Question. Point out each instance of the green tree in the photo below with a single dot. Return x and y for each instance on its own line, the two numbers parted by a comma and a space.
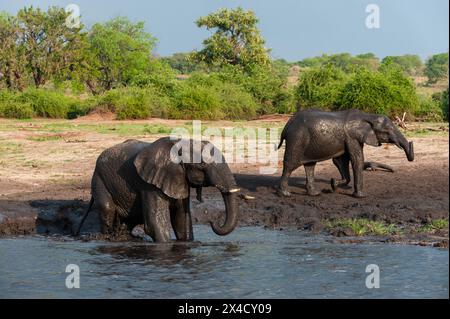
343, 61
51, 48
236, 41
436, 67
12, 57
181, 62
411, 64
119, 51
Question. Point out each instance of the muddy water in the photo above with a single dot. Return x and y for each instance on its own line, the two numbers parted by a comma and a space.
249, 263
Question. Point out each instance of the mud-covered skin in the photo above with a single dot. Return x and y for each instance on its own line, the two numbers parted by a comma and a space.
137, 183
313, 136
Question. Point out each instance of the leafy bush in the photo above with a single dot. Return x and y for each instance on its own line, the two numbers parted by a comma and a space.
133, 103
195, 101
441, 98
444, 105
47, 103
11, 108
236, 103
410, 64
388, 92
343, 61
429, 109
264, 83
320, 87
221, 99
285, 101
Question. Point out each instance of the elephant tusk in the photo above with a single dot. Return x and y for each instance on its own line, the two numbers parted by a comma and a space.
234, 190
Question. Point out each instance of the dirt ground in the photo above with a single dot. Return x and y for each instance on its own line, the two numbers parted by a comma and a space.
46, 166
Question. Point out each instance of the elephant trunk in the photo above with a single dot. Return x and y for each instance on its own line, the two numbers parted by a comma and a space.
408, 147
231, 212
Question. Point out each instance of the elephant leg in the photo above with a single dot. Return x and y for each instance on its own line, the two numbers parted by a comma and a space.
283, 187
155, 208
343, 165
310, 188
357, 159
291, 162
180, 216
104, 204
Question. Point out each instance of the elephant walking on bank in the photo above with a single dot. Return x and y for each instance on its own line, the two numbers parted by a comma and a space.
140, 183
313, 136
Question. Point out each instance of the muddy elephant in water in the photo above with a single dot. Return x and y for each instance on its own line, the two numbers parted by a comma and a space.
143, 183
312, 136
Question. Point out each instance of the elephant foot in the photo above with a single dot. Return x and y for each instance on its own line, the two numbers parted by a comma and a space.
358, 194
138, 232
313, 192
283, 193
334, 185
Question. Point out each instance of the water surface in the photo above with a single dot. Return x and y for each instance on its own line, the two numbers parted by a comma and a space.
249, 263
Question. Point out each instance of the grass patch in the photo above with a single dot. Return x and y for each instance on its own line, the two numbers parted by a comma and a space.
10, 148
436, 224
363, 227
45, 138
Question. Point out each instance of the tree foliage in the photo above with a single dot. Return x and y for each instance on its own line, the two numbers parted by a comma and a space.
50, 47
120, 51
236, 41
37, 46
411, 64
343, 61
436, 67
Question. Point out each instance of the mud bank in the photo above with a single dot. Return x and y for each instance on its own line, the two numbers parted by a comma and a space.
409, 202
50, 197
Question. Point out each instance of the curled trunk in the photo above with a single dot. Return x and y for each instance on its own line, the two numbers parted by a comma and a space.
231, 215
408, 147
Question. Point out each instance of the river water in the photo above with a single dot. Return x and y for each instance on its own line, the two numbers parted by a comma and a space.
249, 263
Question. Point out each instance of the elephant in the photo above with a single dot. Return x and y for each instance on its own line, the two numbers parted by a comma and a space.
137, 182
313, 136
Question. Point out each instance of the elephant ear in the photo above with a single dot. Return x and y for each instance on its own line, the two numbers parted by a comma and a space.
154, 165
365, 134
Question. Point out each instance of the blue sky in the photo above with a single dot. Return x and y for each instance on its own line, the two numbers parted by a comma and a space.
293, 29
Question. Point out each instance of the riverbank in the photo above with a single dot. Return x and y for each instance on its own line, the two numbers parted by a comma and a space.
46, 166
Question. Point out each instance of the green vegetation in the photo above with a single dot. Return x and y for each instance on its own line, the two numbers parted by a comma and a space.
364, 227
343, 61
236, 41
410, 64
436, 224
45, 138
436, 67
50, 70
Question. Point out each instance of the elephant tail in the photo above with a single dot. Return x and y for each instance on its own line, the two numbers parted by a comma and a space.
281, 142
91, 202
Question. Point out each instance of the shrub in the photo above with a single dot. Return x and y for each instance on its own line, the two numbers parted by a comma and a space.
236, 103
197, 102
441, 98
444, 105
133, 103
11, 108
47, 103
320, 87
285, 101
388, 92
223, 100
264, 83
429, 109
